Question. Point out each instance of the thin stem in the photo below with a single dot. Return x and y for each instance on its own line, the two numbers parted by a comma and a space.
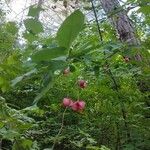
78, 96
60, 130
122, 106
98, 27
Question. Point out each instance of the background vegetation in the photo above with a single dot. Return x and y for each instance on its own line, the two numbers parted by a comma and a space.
37, 76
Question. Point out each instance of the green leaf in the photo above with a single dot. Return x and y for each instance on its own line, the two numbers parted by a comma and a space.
20, 78
48, 54
57, 64
72, 68
33, 26
1, 124
29, 36
70, 28
22, 144
11, 28
34, 11
44, 91
145, 9
96, 70
89, 147
9, 134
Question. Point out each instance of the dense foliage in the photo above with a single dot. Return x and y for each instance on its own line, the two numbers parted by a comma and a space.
106, 91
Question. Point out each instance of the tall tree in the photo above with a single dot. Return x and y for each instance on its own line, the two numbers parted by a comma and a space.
125, 30
120, 21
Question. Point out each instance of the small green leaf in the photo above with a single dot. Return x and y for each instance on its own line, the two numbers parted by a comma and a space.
48, 54
1, 124
72, 68
22, 144
70, 28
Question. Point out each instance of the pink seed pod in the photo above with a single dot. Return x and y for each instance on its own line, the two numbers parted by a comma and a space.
82, 84
78, 106
67, 102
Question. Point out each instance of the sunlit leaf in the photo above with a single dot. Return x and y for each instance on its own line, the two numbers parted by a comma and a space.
33, 26
70, 29
34, 11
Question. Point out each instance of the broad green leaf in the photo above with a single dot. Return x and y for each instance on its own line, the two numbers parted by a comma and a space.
57, 64
33, 26
29, 36
70, 28
34, 11
48, 54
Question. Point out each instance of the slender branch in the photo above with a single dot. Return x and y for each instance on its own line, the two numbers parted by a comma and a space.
60, 130
122, 106
98, 27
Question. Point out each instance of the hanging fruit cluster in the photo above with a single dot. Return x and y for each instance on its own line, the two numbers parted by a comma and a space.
78, 105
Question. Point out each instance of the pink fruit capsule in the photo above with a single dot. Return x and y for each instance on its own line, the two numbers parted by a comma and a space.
67, 102
78, 106
82, 83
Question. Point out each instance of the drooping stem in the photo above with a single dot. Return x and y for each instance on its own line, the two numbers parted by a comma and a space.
60, 130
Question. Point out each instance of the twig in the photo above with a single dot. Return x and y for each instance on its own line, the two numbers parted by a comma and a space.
122, 106
60, 130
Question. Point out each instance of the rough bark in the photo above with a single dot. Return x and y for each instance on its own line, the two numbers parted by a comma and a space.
126, 33
120, 21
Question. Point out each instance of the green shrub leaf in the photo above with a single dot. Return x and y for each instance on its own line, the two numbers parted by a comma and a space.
48, 54
33, 26
70, 28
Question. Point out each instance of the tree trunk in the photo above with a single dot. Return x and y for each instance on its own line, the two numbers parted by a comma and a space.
126, 33
120, 21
